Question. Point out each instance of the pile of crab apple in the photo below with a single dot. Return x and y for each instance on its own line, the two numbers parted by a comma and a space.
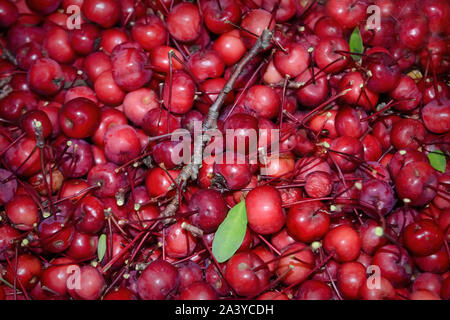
354, 204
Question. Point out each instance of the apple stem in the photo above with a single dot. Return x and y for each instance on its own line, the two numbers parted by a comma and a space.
77, 194
281, 256
121, 252
338, 168
16, 279
333, 284
12, 143
267, 243
436, 89
317, 267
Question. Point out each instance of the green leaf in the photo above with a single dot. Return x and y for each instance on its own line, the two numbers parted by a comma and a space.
101, 247
231, 233
356, 44
437, 160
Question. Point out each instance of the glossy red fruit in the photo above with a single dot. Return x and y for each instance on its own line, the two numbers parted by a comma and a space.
89, 215
437, 262
179, 242
328, 27
179, 92
198, 291
413, 31
8, 13
383, 292
206, 64
121, 144
149, 32
109, 118
158, 181
91, 284
428, 281
264, 212
46, 77
95, 64
128, 62
23, 213
316, 91
293, 61
394, 263
55, 234
163, 154
351, 276
348, 13
159, 121
234, 169
107, 90
372, 238
242, 275
241, 132
44, 7
348, 151
230, 46
343, 243
358, 93
137, 103
83, 246
263, 100
406, 93
255, 21
8, 235
54, 277
57, 45
120, 294
436, 116
190, 272
327, 57
423, 237
183, 22
349, 122
159, 58
114, 246
84, 40
106, 13
445, 290
211, 209
158, 280
384, 72
415, 183
314, 290
324, 123
216, 15
377, 198
297, 265
79, 118
28, 270
308, 222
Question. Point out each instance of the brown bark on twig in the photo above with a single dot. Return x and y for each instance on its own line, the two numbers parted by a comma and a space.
5, 88
190, 170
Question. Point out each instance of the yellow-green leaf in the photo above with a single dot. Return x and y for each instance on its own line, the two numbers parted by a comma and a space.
438, 160
101, 247
356, 44
231, 233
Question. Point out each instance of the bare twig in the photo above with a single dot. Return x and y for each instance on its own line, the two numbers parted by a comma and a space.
5, 88
7, 55
190, 170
